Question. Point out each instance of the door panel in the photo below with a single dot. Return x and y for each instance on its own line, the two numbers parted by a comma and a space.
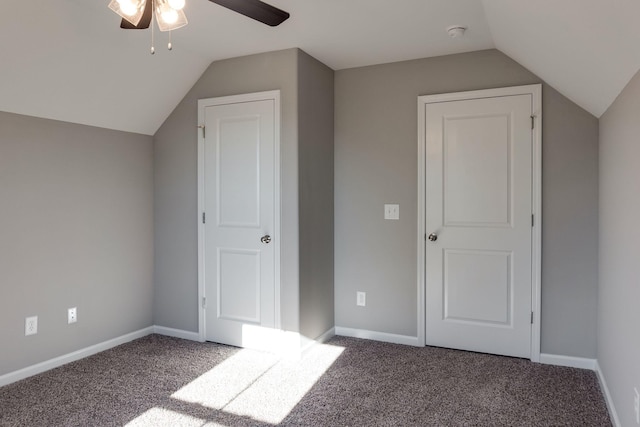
479, 204
239, 285
477, 176
477, 286
238, 167
239, 190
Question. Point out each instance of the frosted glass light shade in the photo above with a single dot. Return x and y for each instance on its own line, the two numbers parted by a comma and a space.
131, 10
168, 18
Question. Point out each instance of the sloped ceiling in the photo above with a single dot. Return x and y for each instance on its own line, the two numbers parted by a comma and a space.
69, 60
587, 49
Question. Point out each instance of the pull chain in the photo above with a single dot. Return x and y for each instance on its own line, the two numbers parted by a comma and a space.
170, 46
153, 11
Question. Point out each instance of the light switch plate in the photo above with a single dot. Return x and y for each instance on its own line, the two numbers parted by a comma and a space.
361, 298
391, 211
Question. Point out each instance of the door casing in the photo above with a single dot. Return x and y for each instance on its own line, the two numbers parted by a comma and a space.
273, 95
536, 251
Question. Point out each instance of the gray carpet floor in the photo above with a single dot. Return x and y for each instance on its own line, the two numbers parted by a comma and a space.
162, 381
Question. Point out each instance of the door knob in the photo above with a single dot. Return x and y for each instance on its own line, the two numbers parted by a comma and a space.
265, 239
433, 237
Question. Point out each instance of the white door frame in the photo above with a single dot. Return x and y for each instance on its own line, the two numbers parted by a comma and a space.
223, 100
536, 251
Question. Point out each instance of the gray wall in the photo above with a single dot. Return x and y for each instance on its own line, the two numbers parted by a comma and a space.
315, 177
76, 230
619, 286
570, 228
175, 150
375, 163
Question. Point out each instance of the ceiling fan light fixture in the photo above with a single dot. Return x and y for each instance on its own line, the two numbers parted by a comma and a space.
168, 18
169, 14
130, 10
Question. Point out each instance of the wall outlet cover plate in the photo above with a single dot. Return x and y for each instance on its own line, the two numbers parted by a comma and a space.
31, 325
72, 315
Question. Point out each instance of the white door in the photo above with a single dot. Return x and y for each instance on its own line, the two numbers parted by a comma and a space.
479, 224
239, 151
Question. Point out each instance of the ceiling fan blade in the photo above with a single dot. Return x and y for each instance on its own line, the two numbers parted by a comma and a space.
257, 10
144, 21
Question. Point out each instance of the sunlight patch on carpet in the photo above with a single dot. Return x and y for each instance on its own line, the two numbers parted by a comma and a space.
259, 385
218, 387
161, 417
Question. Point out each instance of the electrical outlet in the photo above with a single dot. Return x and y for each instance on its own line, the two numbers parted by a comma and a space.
636, 405
72, 315
361, 298
31, 325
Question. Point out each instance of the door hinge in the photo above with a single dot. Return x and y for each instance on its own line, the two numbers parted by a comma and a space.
204, 302
204, 218
532, 317
532, 220
425, 237
204, 135
533, 122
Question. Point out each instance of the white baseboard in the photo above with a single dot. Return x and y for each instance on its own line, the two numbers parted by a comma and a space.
326, 336
377, 336
549, 359
176, 333
38, 368
569, 361
607, 397
307, 344
29, 371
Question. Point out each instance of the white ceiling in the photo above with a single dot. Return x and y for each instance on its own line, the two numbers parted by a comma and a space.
69, 60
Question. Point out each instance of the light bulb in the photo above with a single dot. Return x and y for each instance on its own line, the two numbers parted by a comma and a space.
170, 16
130, 10
168, 19
176, 4
128, 7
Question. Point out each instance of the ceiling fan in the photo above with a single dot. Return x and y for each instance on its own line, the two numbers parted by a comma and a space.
137, 14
